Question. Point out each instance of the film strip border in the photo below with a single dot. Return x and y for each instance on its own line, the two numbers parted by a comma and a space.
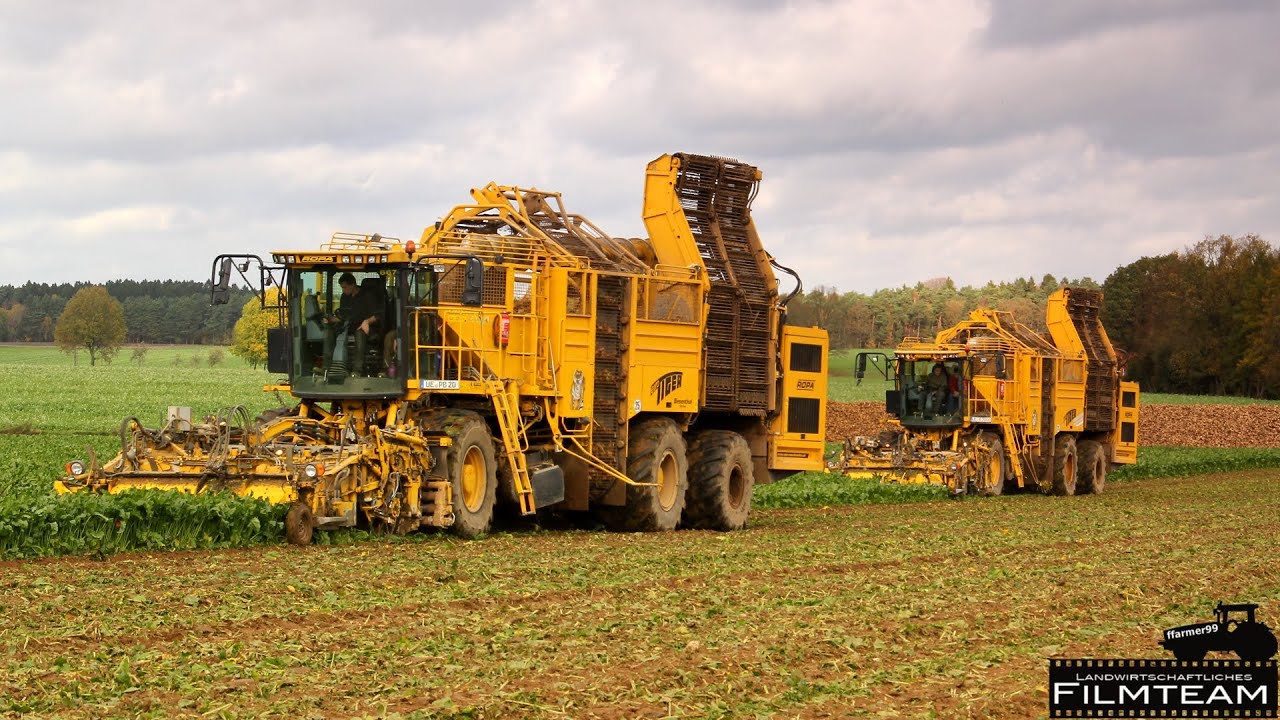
1164, 663
1265, 670
1188, 712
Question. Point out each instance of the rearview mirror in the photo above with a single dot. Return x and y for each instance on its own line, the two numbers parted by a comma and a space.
473, 282
222, 288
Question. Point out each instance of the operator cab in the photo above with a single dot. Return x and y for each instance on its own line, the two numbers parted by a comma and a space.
344, 331
929, 391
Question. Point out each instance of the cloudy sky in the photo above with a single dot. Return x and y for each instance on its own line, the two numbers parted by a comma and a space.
900, 140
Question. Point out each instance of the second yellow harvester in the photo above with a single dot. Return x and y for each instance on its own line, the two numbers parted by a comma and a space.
990, 405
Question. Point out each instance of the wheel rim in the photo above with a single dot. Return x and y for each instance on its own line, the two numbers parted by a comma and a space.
668, 483
993, 471
1069, 471
473, 479
737, 487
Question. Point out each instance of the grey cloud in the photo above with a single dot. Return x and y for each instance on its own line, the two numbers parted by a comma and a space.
1016, 23
999, 134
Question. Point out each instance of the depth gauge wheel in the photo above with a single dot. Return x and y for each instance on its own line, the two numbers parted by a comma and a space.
299, 524
267, 416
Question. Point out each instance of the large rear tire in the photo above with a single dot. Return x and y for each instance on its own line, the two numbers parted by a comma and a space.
721, 479
656, 454
1092, 476
472, 469
991, 476
1065, 465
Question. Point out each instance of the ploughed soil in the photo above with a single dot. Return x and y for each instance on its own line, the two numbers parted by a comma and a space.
945, 609
1221, 426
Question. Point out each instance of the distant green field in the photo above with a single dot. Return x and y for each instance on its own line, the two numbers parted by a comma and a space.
153, 356
52, 409
843, 386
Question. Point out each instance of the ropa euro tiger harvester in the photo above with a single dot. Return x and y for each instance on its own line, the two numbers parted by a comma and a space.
516, 356
989, 404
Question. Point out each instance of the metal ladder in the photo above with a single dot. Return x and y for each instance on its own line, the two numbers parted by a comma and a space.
1016, 449
513, 444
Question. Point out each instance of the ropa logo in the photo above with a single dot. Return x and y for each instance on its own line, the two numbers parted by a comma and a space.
666, 385
805, 385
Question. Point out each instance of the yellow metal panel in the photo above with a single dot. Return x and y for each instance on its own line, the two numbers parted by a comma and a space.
1125, 440
797, 434
665, 371
669, 232
1061, 329
575, 366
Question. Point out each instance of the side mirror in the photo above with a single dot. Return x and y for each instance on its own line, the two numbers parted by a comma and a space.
473, 282
222, 288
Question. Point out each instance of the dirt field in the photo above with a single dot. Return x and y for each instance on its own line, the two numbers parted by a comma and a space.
1223, 426
945, 609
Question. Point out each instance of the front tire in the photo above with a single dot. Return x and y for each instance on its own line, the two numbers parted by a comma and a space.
721, 479
656, 454
1065, 465
471, 468
1092, 476
991, 477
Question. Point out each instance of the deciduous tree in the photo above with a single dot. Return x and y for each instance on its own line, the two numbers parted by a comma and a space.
249, 338
92, 320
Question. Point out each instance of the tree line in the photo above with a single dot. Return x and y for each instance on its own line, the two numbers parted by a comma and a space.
883, 318
1204, 320
155, 311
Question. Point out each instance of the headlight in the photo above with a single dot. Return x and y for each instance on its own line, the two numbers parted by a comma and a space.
313, 470
75, 467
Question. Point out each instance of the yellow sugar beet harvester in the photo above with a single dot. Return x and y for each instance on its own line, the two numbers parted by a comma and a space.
516, 356
1008, 407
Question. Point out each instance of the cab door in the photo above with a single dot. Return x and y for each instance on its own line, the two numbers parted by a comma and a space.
1125, 442
798, 434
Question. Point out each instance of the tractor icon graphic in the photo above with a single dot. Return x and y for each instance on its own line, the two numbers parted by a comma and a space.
1248, 638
